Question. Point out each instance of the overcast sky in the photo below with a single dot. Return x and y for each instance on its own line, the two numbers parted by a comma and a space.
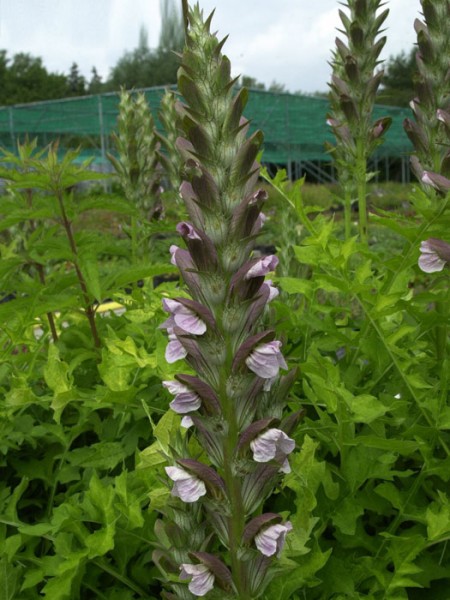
288, 41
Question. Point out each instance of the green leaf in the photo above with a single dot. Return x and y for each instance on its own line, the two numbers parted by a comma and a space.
102, 455
56, 372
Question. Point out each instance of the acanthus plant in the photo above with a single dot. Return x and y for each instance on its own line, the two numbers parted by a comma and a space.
137, 164
430, 134
430, 130
217, 537
353, 88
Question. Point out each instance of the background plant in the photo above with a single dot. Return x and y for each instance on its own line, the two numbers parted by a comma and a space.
353, 90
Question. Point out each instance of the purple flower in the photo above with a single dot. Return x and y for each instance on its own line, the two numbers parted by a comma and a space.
434, 255
173, 252
273, 444
186, 230
183, 317
271, 540
202, 580
186, 422
261, 219
439, 182
186, 486
266, 359
185, 401
273, 291
262, 267
174, 349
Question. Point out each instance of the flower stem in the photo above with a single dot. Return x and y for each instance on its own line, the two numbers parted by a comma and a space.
90, 313
51, 320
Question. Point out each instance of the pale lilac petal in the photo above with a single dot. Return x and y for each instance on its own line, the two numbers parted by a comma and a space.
267, 386
185, 401
431, 263
271, 540
260, 220
184, 317
273, 291
174, 349
186, 422
271, 444
266, 360
186, 229
285, 467
429, 260
187, 487
441, 115
426, 179
262, 267
202, 579
175, 387
173, 250
439, 182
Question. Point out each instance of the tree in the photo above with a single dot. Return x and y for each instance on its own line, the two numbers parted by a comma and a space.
95, 85
76, 83
25, 79
399, 79
171, 37
132, 69
144, 67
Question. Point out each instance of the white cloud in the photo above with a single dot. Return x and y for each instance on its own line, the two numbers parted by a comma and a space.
289, 41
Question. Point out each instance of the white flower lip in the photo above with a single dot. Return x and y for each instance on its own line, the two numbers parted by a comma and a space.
273, 444
266, 360
174, 349
187, 487
262, 267
431, 259
202, 580
183, 317
185, 401
271, 540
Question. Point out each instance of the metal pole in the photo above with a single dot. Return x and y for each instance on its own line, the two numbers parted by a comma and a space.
11, 129
102, 140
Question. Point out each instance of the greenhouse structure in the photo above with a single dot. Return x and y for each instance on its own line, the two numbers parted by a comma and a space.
294, 127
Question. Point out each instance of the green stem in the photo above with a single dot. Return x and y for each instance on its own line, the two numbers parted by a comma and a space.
236, 521
89, 310
441, 331
361, 187
347, 213
51, 320
134, 244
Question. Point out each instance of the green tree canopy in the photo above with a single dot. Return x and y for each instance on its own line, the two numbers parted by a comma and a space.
25, 79
146, 67
398, 82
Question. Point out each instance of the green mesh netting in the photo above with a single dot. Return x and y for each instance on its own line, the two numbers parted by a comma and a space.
294, 126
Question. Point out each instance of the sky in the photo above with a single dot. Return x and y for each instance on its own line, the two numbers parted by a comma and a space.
287, 41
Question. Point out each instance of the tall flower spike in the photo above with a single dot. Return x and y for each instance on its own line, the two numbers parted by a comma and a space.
137, 163
222, 330
430, 130
353, 88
